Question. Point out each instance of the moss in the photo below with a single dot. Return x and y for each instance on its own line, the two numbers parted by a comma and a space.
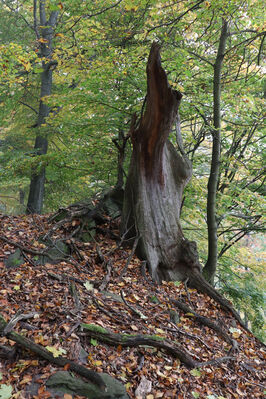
127, 336
94, 327
154, 337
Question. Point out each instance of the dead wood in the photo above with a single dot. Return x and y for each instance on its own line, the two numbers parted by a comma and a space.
196, 280
123, 272
92, 376
21, 247
132, 340
155, 341
204, 321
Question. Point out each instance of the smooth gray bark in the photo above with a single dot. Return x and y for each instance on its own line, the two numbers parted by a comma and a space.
211, 264
36, 193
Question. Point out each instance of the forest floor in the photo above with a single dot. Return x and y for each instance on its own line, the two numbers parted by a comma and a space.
99, 286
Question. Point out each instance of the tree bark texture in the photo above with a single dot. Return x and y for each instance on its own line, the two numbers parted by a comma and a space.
36, 193
211, 264
157, 177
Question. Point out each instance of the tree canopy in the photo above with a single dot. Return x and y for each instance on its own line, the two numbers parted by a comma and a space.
99, 54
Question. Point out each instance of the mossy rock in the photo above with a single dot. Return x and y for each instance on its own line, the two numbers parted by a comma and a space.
111, 207
154, 299
14, 260
112, 295
90, 231
174, 316
54, 254
63, 382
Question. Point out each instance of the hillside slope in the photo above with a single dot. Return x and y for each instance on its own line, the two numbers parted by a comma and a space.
166, 341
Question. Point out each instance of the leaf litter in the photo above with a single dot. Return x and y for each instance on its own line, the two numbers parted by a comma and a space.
62, 296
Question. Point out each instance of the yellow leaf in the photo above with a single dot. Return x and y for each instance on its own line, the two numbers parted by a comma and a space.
98, 363
42, 40
26, 379
56, 352
135, 328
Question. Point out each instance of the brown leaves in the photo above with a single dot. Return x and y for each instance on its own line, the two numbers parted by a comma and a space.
47, 290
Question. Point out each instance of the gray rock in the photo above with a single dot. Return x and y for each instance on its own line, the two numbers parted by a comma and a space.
14, 260
64, 382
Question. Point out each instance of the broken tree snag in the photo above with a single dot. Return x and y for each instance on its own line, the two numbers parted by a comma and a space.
157, 177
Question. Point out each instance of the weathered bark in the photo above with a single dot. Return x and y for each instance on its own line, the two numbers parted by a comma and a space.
172, 348
36, 193
211, 264
157, 177
153, 194
44, 353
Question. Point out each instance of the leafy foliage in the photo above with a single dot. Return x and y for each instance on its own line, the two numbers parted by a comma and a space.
99, 82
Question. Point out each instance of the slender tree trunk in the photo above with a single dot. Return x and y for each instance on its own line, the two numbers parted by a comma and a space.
120, 144
36, 193
211, 264
156, 180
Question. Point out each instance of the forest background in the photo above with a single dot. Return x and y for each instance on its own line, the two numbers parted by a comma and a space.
70, 128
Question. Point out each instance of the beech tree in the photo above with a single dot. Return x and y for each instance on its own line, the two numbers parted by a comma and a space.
44, 34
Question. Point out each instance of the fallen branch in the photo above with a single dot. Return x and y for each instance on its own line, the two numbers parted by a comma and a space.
137, 312
29, 250
107, 277
21, 247
45, 354
129, 258
16, 318
217, 361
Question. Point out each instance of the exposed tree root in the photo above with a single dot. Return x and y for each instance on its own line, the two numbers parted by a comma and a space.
196, 280
205, 321
171, 348
85, 211
155, 341
90, 375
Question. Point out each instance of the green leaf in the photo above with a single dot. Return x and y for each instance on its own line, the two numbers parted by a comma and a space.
88, 286
233, 330
195, 394
195, 372
54, 7
5, 391
37, 70
94, 342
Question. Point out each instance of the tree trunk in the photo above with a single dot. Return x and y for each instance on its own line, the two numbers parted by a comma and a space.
211, 264
36, 193
157, 177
